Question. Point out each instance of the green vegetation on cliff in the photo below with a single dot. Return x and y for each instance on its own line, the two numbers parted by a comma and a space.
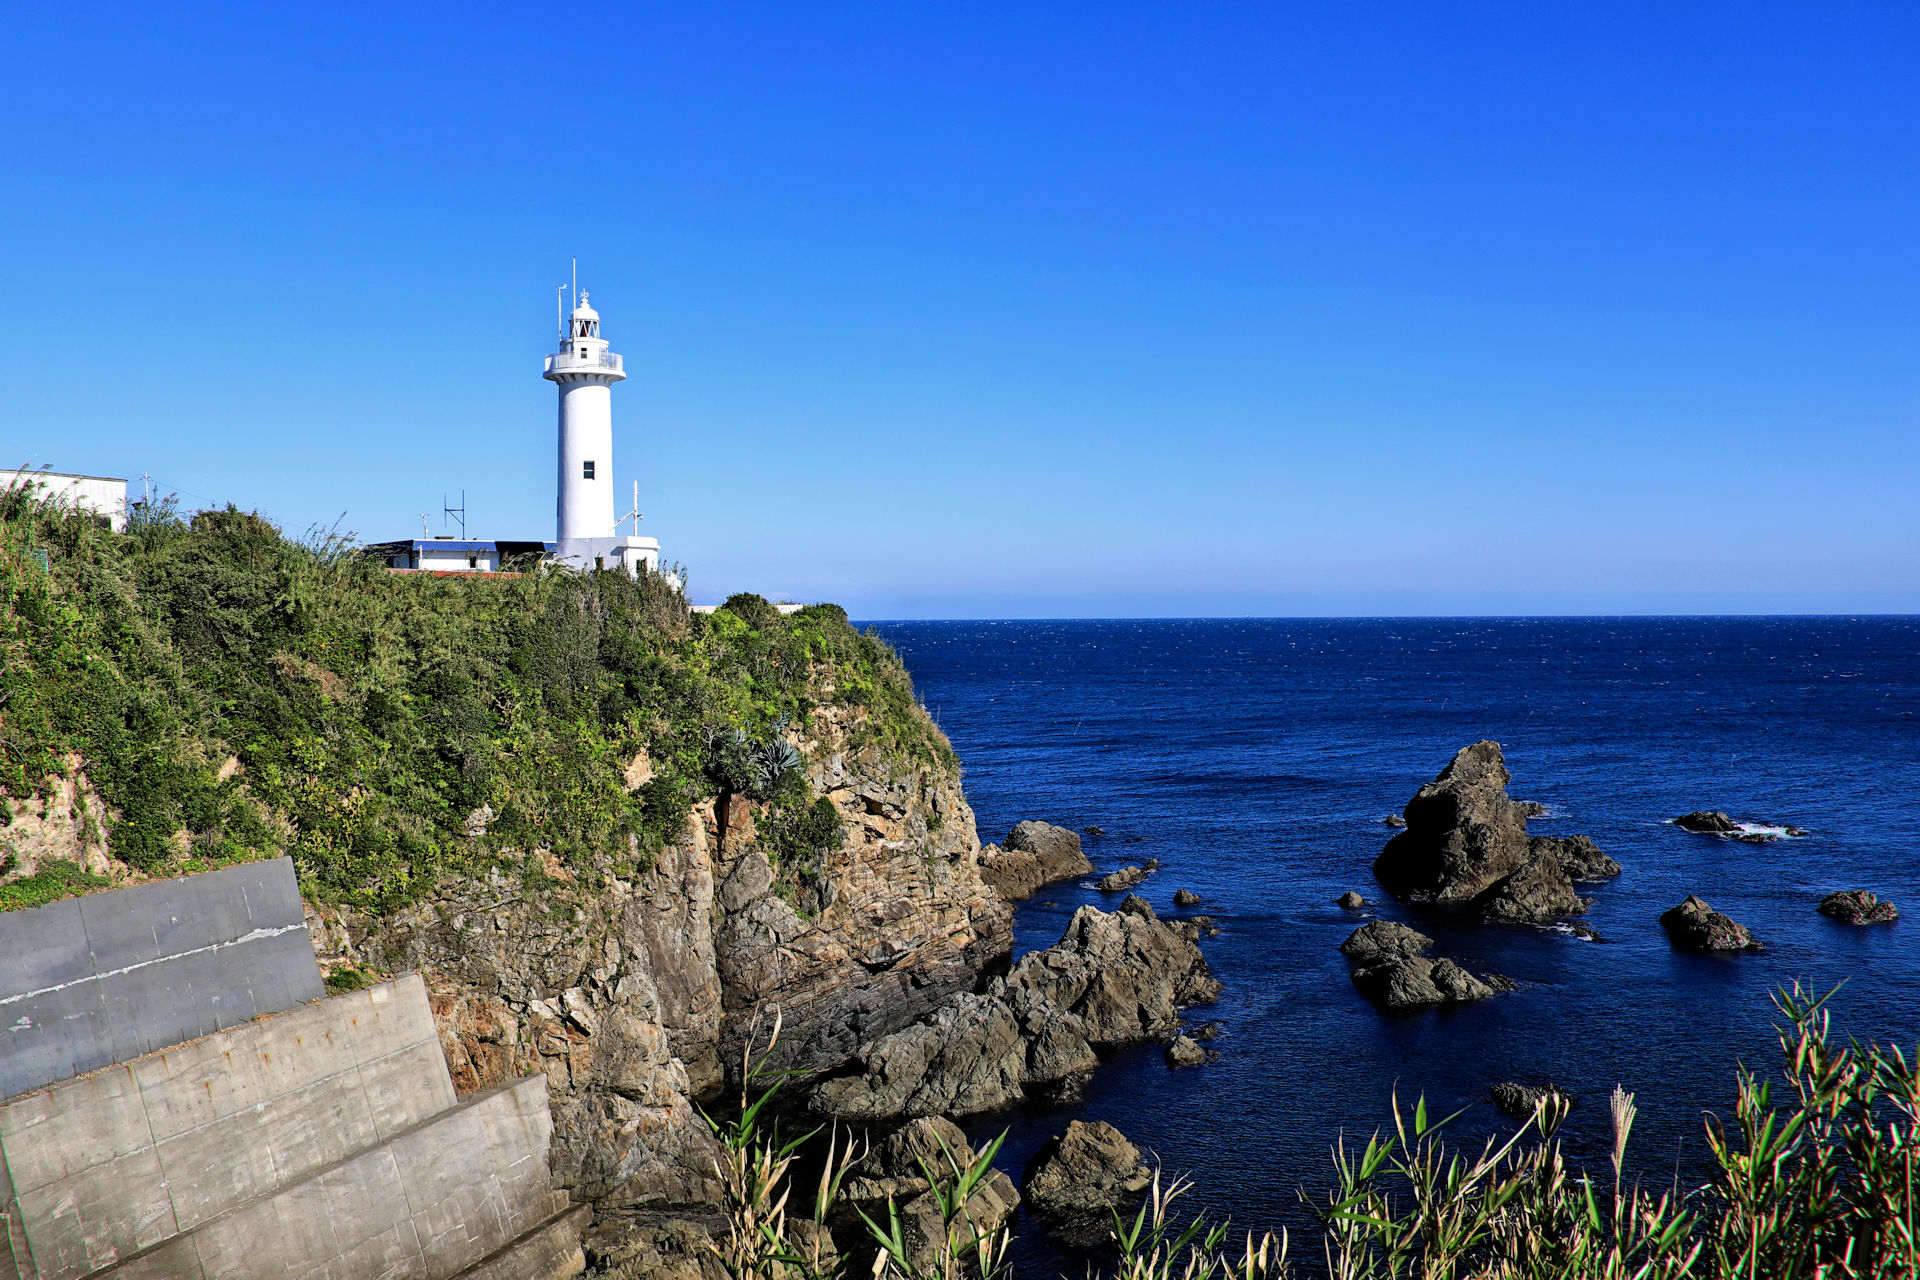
231, 693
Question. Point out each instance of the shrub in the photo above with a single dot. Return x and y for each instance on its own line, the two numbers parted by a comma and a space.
233, 693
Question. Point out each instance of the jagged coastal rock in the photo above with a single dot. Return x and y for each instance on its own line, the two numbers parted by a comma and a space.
894, 1172
1079, 1179
1519, 1100
1857, 906
1714, 822
1696, 926
1707, 822
1391, 968
1185, 1051
1035, 854
1466, 849
1185, 898
1113, 979
1128, 877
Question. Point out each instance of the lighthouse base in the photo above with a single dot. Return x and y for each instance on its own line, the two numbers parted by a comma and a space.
625, 553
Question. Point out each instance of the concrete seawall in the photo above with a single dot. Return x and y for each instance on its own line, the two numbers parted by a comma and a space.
323, 1140
108, 977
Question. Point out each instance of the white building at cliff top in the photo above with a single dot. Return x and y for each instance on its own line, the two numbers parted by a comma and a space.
102, 496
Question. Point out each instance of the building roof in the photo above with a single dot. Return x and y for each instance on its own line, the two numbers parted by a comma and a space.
460, 546
58, 475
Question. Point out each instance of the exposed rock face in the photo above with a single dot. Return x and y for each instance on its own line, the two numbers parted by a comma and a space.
1858, 906
1707, 821
1695, 926
895, 1170
68, 823
1036, 854
1186, 1052
1578, 856
636, 995
1079, 1179
1392, 969
1466, 849
1519, 1100
1113, 979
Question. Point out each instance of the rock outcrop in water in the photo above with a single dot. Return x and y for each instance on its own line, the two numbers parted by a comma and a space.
1696, 926
1036, 854
1079, 1179
1466, 849
1706, 822
894, 1171
1391, 968
1127, 877
1113, 979
1857, 906
1520, 1100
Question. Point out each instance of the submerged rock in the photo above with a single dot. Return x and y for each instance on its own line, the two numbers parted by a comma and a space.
1113, 979
1519, 1100
1857, 906
1707, 822
1079, 1179
1036, 854
1696, 926
1466, 849
1392, 969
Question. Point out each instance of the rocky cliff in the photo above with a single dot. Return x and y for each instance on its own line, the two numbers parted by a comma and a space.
638, 998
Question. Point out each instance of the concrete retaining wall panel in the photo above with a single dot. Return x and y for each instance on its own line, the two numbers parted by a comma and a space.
107, 977
427, 1204
115, 1161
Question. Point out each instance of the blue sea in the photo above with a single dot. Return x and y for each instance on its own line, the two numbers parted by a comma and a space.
1256, 759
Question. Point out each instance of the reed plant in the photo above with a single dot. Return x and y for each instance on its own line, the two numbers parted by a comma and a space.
1813, 1181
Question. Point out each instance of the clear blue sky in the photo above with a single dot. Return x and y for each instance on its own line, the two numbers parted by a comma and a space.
972, 310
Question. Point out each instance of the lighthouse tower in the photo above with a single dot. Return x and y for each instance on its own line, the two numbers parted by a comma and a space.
585, 371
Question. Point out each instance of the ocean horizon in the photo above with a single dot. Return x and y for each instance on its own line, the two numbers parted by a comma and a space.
1257, 759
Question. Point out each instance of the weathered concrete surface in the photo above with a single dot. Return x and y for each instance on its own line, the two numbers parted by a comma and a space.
321, 1141
107, 977
551, 1251
429, 1203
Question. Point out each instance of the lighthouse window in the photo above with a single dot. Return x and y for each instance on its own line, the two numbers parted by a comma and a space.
586, 470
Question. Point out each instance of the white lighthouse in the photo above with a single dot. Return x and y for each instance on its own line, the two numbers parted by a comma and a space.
585, 371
